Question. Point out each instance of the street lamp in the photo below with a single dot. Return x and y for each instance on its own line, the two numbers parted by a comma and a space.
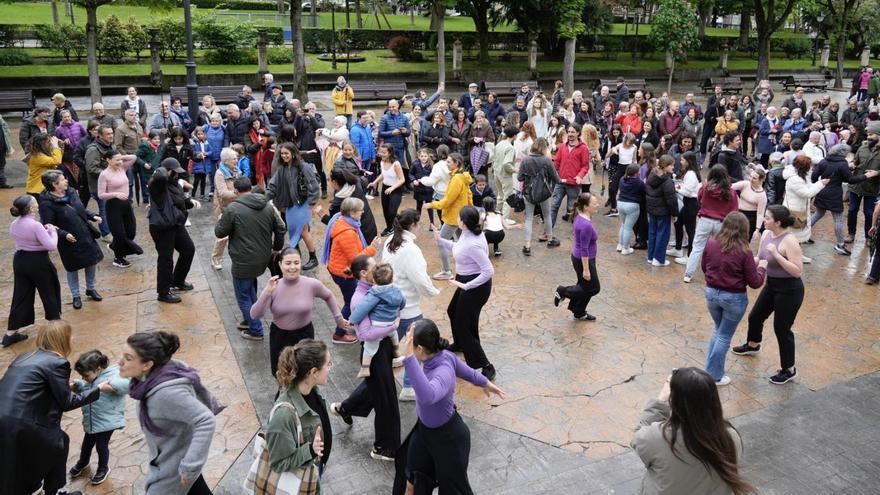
192, 87
814, 35
333, 35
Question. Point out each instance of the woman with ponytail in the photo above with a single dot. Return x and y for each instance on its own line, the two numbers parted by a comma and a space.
176, 413
410, 275
583, 260
458, 195
347, 185
685, 442
437, 450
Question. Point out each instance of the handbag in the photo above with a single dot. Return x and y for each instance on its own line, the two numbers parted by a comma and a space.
166, 215
262, 480
800, 219
302, 185
515, 200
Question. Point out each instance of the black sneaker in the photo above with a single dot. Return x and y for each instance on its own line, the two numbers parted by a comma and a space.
382, 454
243, 325
185, 286
553, 243
497, 252
585, 317
527, 251
100, 476
310, 265
557, 298
841, 249
336, 409
489, 372
77, 302
168, 298
5, 186
93, 295
15, 338
247, 335
121, 263
77, 470
745, 349
783, 376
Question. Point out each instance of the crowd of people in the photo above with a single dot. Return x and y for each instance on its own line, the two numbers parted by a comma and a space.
698, 186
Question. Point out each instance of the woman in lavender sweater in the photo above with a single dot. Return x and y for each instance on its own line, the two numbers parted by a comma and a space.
583, 259
473, 282
437, 450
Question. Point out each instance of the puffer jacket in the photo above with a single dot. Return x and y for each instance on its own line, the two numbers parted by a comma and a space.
836, 168
108, 412
867, 159
345, 247
660, 198
458, 195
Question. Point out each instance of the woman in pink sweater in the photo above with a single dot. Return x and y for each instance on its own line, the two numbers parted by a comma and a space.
113, 188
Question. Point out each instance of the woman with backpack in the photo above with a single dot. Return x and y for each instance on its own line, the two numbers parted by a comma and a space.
538, 177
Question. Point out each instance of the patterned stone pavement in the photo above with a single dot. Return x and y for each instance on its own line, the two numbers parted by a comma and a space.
575, 389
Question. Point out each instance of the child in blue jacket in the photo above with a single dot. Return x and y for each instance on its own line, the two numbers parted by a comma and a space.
216, 134
201, 163
382, 304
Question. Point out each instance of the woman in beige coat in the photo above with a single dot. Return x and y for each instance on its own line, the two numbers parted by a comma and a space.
224, 194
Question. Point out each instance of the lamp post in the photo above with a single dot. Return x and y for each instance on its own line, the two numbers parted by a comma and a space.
333, 35
814, 35
192, 87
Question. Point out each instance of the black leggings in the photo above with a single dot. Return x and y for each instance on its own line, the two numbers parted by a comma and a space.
167, 241
101, 443
781, 297
641, 226
378, 391
686, 222
464, 318
280, 338
494, 237
200, 487
440, 456
616, 173
199, 180
32, 272
580, 294
390, 205
420, 203
752, 217
123, 226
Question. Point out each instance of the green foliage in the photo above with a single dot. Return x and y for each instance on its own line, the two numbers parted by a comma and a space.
797, 47
54, 38
234, 4
173, 38
611, 47
571, 23
138, 39
234, 57
674, 29
223, 37
9, 35
280, 56
14, 56
113, 40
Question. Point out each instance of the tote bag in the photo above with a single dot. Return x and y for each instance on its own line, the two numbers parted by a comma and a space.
262, 480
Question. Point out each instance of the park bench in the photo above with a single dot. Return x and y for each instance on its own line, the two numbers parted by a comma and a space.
379, 91
633, 85
222, 94
505, 88
21, 100
728, 84
808, 82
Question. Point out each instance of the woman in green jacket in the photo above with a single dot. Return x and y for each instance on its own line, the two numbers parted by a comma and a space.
301, 369
147, 160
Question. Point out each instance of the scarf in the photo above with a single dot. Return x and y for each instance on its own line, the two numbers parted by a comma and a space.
229, 173
169, 371
73, 169
325, 256
346, 191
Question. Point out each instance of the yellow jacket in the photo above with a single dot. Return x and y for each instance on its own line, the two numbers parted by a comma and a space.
343, 101
38, 164
722, 127
458, 195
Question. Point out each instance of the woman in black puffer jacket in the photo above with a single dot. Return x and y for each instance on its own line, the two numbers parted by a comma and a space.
662, 205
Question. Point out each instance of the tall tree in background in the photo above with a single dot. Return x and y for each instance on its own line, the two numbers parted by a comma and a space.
300, 77
571, 25
770, 16
478, 10
532, 18
674, 31
439, 12
840, 15
704, 12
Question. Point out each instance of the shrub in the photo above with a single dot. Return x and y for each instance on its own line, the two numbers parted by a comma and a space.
9, 35
797, 47
401, 47
223, 37
230, 57
173, 37
280, 56
138, 39
14, 56
113, 40
875, 50
612, 45
68, 39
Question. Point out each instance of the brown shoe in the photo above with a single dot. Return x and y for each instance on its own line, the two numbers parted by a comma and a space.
849, 239
344, 339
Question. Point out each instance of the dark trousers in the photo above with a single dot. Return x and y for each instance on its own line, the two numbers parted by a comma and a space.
123, 226
852, 217
2, 167
641, 228
40, 456
781, 297
390, 205
580, 294
464, 318
615, 173
494, 237
101, 443
102, 211
440, 456
419, 204
199, 180
875, 264
347, 286
280, 338
167, 241
658, 237
200, 487
752, 217
33, 272
378, 391
315, 159
686, 223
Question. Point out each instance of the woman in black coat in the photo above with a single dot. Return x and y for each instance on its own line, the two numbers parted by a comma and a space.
179, 148
437, 133
61, 207
34, 393
347, 185
662, 206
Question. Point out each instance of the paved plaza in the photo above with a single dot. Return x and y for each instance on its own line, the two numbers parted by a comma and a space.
574, 389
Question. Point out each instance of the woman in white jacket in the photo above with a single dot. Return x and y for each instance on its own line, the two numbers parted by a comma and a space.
439, 178
335, 137
410, 276
798, 193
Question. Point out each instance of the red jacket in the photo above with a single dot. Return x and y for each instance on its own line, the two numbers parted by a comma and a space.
572, 165
713, 206
671, 124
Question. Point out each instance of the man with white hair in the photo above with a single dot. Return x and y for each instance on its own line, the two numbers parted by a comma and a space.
796, 124
129, 134
689, 103
603, 97
814, 149
164, 121
268, 82
342, 97
237, 123
394, 128
100, 114
768, 135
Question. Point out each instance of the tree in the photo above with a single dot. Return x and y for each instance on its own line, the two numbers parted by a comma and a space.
571, 25
704, 12
359, 19
478, 10
114, 41
770, 16
138, 39
439, 10
841, 15
674, 31
531, 17
300, 77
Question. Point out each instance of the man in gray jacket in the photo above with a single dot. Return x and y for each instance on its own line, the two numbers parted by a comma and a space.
95, 164
250, 222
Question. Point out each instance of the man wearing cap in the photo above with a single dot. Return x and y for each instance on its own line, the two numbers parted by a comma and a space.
867, 158
622, 92
62, 103
342, 97
467, 99
101, 115
40, 122
279, 103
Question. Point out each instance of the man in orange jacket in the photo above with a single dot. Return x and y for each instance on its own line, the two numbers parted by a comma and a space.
572, 162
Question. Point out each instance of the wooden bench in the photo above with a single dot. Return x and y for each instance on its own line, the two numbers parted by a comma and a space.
633, 85
222, 94
728, 84
17, 101
808, 82
505, 88
381, 91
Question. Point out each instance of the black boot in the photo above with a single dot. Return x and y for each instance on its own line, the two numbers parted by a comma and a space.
489, 372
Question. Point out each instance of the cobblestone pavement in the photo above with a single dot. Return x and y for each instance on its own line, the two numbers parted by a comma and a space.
574, 389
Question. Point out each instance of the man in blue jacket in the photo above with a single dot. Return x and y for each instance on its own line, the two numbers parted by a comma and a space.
394, 129
361, 136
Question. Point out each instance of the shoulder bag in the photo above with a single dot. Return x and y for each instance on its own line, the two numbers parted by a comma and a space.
262, 480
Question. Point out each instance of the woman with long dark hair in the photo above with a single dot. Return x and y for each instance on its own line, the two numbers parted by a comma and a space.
685, 442
473, 282
687, 185
783, 293
583, 260
437, 449
113, 188
392, 180
717, 199
347, 185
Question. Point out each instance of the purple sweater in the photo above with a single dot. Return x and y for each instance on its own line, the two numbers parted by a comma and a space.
471, 253
31, 235
585, 239
434, 385
365, 330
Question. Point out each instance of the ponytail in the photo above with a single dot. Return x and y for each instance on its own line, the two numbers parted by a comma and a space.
403, 221
427, 335
21, 205
296, 362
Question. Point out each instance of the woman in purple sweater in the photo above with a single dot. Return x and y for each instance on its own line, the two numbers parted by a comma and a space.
437, 450
473, 282
729, 267
583, 259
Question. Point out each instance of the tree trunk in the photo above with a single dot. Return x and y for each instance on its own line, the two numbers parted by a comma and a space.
441, 43
763, 71
92, 53
702, 31
55, 18
300, 77
435, 18
745, 25
359, 21
669, 82
841, 55
568, 65
481, 22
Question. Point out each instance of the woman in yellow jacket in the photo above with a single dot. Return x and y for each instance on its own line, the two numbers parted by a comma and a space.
45, 156
458, 195
342, 97
726, 124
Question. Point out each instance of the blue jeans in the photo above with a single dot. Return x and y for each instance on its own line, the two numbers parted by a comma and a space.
401, 331
104, 227
852, 217
629, 214
73, 280
726, 309
658, 237
347, 286
246, 296
570, 192
706, 228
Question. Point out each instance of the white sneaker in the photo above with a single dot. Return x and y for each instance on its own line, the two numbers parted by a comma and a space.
217, 266
107, 238
444, 275
657, 263
675, 253
370, 197
397, 362
806, 259
619, 248
725, 380
188, 223
627, 251
510, 221
682, 260
407, 394
687, 279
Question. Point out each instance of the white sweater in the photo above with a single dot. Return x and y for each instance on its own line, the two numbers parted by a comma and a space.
439, 178
798, 193
410, 274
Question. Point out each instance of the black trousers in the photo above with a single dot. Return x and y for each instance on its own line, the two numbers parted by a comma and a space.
315, 159
167, 241
781, 297
280, 338
615, 172
40, 456
686, 222
641, 227
494, 237
464, 318
440, 456
199, 180
580, 294
200, 487
390, 205
379, 392
123, 226
33, 272
752, 217
101, 443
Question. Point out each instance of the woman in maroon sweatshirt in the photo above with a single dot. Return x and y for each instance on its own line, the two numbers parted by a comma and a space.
717, 199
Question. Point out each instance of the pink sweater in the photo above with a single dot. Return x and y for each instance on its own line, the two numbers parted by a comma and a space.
291, 302
114, 181
31, 235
